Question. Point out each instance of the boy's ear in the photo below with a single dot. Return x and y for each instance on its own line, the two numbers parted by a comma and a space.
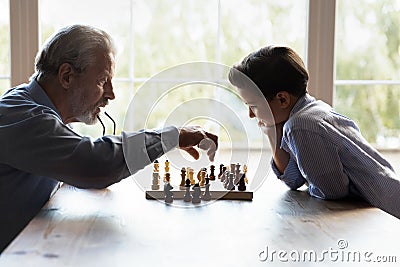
284, 99
65, 73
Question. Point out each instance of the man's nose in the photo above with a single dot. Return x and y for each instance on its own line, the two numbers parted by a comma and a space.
109, 91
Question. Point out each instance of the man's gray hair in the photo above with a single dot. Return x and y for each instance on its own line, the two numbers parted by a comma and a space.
76, 45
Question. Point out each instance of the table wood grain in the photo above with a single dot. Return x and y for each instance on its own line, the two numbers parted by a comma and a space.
117, 226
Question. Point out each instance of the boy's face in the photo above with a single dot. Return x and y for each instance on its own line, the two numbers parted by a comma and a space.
267, 113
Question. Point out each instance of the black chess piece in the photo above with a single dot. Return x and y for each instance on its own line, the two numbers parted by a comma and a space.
242, 183
212, 170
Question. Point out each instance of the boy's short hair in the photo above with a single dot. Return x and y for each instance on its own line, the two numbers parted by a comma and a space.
272, 69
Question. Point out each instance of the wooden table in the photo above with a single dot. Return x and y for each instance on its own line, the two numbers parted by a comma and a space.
117, 226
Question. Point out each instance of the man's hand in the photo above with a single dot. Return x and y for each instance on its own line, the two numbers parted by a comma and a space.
192, 136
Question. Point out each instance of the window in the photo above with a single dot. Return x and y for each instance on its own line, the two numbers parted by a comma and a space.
4, 46
367, 86
151, 40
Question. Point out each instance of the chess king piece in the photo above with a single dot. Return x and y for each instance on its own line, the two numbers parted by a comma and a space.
207, 194
188, 196
183, 177
242, 183
196, 194
212, 170
230, 185
169, 196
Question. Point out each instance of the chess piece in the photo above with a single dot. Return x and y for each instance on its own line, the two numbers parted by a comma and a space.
166, 169
156, 166
202, 177
190, 175
245, 174
196, 194
156, 181
233, 167
169, 196
212, 170
237, 174
166, 166
207, 194
226, 178
242, 184
183, 176
155, 184
187, 197
220, 171
230, 185
223, 177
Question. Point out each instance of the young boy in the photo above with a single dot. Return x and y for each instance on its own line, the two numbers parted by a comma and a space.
311, 143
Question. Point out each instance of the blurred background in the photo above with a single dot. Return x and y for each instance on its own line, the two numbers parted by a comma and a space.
154, 35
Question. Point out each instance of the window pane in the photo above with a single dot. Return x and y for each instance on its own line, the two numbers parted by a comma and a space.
4, 46
171, 32
376, 110
368, 48
248, 25
368, 40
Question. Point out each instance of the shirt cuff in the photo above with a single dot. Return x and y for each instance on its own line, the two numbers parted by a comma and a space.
143, 147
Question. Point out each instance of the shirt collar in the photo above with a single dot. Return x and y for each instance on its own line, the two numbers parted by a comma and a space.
302, 102
39, 95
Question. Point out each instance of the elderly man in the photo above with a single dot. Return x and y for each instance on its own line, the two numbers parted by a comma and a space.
72, 82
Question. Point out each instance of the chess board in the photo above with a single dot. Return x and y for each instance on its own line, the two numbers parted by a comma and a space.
215, 186
218, 192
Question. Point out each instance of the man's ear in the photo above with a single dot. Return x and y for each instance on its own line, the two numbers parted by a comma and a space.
65, 73
284, 99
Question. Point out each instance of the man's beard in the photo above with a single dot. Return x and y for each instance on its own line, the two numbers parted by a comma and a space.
88, 117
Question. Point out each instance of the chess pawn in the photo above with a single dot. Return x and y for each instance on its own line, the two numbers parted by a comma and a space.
187, 197
156, 181
183, 175
196, 194
230, 185
207, 194
242, 183
169, 196
212, 170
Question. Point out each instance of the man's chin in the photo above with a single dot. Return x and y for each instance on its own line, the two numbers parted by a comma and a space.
89, 120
